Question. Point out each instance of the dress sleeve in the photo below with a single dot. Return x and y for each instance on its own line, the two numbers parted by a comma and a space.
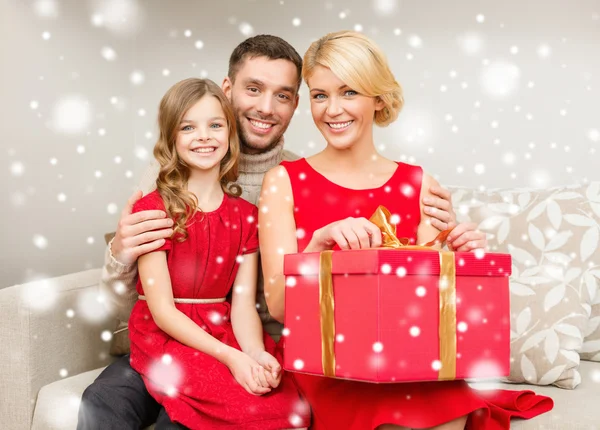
152, 201
251, 228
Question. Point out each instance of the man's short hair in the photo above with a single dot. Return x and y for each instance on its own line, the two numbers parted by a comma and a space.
264, 45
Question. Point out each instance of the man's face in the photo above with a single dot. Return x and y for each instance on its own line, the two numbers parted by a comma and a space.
264, 98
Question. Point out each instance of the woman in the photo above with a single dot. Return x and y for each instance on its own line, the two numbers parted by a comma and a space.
323, 202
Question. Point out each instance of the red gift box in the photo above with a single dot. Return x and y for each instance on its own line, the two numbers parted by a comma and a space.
393, 317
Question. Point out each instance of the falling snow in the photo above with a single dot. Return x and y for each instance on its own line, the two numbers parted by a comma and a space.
471, 117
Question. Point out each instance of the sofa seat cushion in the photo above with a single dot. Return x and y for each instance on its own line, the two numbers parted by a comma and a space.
58, 403
573, 409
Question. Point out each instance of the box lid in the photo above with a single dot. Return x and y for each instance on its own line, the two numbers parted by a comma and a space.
398, 262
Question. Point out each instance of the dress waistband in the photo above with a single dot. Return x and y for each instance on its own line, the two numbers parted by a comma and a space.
192, 301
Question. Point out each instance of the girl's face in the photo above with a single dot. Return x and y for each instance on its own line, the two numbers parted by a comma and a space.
203, 135
342, 115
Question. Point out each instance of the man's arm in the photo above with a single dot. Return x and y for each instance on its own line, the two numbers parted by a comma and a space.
136, 235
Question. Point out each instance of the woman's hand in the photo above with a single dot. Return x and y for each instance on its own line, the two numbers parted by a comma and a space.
349, 233
248, 373
465, 237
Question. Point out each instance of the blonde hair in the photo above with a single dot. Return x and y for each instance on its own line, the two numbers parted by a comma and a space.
360, 64
181, 204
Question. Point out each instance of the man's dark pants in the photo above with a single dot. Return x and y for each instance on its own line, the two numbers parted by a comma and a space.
118, 400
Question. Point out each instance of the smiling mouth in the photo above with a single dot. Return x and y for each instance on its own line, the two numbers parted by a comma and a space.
204, 150
337, 126
262, 126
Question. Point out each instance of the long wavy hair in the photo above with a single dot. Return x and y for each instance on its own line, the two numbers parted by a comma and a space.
181, 205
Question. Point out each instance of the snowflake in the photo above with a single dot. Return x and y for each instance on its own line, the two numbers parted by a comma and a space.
500, 79
544, 51
112, 208
471, 43
246, 29
71, 115
298, 364
137, 77
108, 53
385, 7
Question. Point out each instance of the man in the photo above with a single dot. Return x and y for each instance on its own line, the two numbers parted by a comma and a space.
263, 81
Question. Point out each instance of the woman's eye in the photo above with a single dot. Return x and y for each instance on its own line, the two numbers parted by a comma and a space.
350, 93
319, 96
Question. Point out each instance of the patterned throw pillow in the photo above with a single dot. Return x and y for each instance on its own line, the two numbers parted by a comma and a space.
553, 237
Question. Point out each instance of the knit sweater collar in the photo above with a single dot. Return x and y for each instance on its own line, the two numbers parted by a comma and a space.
260, 163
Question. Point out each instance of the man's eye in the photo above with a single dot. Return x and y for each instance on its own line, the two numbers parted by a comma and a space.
284, 96
253, 89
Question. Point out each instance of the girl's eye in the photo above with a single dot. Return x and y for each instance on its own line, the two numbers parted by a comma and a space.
216, 125
187, 128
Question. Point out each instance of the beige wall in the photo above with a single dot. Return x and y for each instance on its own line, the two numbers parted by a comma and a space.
484, 105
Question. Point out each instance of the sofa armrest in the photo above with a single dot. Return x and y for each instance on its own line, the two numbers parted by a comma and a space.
48, 330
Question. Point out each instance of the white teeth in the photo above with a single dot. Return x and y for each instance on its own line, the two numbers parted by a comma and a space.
261, 124
210, 149
340, 125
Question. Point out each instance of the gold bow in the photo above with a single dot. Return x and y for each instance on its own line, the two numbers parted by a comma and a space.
447, 296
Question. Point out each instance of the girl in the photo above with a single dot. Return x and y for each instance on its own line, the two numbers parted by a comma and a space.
351, 87
204, 358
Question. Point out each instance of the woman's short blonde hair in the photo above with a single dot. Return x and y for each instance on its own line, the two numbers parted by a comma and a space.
360, 64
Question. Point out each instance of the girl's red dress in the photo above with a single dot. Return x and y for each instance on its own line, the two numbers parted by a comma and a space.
197, 390
349, 405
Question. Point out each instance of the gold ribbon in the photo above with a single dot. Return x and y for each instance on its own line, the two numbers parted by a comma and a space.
447, 296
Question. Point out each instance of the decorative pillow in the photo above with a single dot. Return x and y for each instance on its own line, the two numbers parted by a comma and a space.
591, 220
553, 238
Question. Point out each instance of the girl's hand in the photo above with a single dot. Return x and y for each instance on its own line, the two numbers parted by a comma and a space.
465, 237
248, 373
271, 366
349, 233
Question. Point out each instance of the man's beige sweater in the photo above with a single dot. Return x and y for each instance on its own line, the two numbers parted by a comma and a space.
118, 281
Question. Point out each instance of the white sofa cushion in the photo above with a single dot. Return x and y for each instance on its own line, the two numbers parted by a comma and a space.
573, 409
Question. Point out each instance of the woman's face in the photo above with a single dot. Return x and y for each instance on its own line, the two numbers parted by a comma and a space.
342, 115
203, 135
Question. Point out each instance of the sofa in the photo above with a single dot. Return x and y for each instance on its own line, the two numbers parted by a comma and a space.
55, 334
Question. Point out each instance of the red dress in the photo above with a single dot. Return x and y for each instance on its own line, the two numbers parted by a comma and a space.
197, 390
349, 405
